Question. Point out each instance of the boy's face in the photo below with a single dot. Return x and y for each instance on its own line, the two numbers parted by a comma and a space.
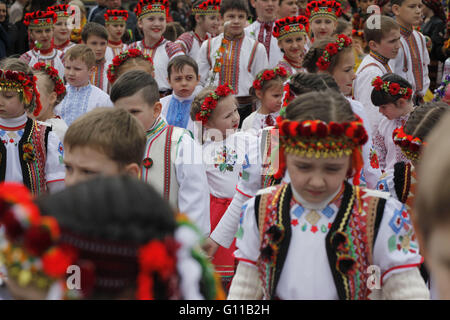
61, 30
184, 81
409, 13
364, 4
287, 8
83, 163
234, 22
98, 45
115, 30
438, 260
265, 9
77, 72
153, 25
323, 27
43, 36
138, 107
293, 45
389, 44
210, 23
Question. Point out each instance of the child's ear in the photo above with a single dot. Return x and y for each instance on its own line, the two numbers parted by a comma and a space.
52, 98
373, 45
132, 169
259, 94
157, 109
395, 9
253, 3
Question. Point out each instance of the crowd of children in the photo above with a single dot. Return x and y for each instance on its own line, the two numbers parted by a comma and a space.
278, 149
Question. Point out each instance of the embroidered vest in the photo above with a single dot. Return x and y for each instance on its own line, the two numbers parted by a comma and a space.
33, 154
349, 242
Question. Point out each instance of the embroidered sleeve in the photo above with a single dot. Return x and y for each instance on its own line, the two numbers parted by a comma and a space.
25, 57
396, 247
247, 237
186, 40
54, 166
173, 49
380, 148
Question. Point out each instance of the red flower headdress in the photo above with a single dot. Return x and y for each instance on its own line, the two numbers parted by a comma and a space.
409, 145
323, 8
24, 85
62, 10
391, 88
116, 16
267, 75
40, 19
318, 139
288, 96
146, 7
210, 102
332, 49
290, 25
209, 7
60, 89
121, 59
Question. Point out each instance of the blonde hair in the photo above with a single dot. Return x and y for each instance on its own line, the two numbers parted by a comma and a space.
82, 52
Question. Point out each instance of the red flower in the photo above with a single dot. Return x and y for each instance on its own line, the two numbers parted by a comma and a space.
209, 102
322, 64
257, 84
282, 72
394, 89
222, 91
56, 261
377, 83
153, 257
408, 94
268, 75
332, 49
335, 129
37, 240
322, 130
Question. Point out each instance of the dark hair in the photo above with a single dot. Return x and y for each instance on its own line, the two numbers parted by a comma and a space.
301, 83
241, 5
382, 97
93, 29
316, 51
377, 34
192, 21
178, 63
173, 30
135, 81
397, 2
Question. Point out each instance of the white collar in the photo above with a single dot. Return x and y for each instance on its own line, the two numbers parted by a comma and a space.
14, 122
313, 206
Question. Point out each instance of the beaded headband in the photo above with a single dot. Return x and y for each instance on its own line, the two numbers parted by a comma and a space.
148, 7
40, 19
24, 85
409, 145
62, 10
267, 75
290, 25
121, 59
391, 88
332, 49
116, 16
209, 7
60, 89
210, 102
323, 8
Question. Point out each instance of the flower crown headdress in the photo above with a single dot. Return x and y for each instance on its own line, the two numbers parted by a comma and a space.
60, 89
409, 144
323, 8
116, 16
268, 75
147, 7
288, 96
332, 49
209, 7
40, 19
62, 10
210, 102
24, 85
290, 25
122, 58
391, 88
439, 93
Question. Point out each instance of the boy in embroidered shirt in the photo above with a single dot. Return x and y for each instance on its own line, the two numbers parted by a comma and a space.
172, 160
261, 29
40, 26
81, 96
233, 57
95, 36
183, 78
115, 24
62, 30
384, 44
412, 60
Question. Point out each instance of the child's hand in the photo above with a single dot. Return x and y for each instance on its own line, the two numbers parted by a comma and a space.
210, 247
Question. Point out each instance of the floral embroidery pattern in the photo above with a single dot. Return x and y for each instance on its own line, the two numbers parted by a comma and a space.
28, 152
374, 159
406, 240
225, 159
311, 219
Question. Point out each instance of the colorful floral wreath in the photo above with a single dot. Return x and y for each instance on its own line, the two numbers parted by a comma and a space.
332, 49
267, 75
121, 59
40, 19
391, 88
146, 7
60, 88
210, 102
288, 96
116, 16
209, 7
24, 85
289, 25
62, 10
439, 93
410, 145
330, 9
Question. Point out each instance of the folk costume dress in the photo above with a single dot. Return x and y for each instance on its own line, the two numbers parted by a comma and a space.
291, 67
62, 13
31, 153
257, 121
59, 126
262, 32
173, 166
63, 47
115, 17
114, 49
99, 77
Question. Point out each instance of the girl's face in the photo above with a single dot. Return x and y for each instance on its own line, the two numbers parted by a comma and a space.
317, 179
153, 26
225, 117
10, 104
293, 46
48, 99
393, 110
210, 23
43, 36
61, 30
270, 98
344, 73
323, 27
115, 31
288, 8
2, 12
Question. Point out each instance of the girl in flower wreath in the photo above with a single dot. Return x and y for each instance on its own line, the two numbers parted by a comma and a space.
30, 152
215, 109
315, 237
52, 91
131, 59
323, 16
336, 57
62, 29
139, 252
392, 95
268, 90
115, 24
